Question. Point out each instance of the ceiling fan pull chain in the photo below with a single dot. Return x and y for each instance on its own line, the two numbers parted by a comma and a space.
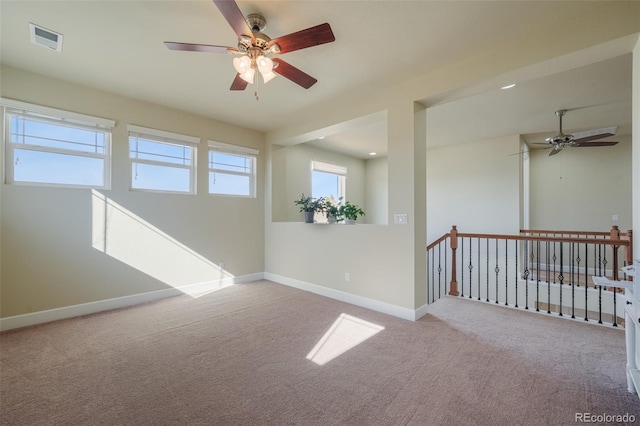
255, 84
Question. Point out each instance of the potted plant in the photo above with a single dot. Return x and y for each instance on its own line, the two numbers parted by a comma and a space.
351, 212
310, 206
332, 208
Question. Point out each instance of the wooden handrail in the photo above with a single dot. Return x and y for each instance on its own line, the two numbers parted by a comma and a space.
615, 240
438, 241
607, 241
556, 232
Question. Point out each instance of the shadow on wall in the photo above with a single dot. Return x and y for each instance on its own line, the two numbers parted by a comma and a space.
121, 234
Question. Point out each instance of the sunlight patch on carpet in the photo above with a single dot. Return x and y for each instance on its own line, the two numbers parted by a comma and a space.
346, 333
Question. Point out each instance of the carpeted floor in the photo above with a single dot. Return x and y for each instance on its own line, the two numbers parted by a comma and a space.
266, 354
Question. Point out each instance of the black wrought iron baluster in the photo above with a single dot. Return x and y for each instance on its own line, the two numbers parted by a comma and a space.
506, 272
537, 276
599, 260
446, 270
429, 274
554, 258
439, 271
561, 277
479, 268
599, 304
573, 281
517, 246
526, 275
548, 280
470, 267
461, 270
615, 308
578, 260
497, 270
586, 284
604, 262
487, 269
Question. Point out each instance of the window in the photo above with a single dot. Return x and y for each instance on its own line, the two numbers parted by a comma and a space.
327, 180
232, 170
162, 161
46, 146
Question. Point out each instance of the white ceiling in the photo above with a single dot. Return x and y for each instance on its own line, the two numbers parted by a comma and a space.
117, 46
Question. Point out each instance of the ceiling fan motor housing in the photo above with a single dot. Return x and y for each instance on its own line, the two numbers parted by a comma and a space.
260, 40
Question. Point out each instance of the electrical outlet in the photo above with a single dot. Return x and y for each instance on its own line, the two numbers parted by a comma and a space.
614, 218
347, 276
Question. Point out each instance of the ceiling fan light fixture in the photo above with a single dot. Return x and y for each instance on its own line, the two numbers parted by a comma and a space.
265, 65
248, 75
267, 77
242, 64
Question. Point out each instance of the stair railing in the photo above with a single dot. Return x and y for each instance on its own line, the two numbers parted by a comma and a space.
538, 269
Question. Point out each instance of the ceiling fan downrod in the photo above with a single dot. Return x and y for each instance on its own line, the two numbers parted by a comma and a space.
561, 137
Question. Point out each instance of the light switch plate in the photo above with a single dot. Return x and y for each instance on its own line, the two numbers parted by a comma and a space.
400, 218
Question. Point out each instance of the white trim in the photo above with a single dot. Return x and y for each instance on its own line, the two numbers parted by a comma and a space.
59, 120
321, 166
421, 311
374, 305
231, 149
140, 132
39, 109
40, 317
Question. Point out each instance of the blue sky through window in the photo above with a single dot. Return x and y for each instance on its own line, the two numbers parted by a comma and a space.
48, 152
325, 185
160, 166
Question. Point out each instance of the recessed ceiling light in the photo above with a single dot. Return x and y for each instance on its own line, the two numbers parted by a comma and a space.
321, 137
509, 86
372, 154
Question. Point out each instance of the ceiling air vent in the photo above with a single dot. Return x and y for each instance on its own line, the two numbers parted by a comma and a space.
45, 38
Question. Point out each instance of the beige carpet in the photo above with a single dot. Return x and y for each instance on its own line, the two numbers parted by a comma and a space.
239, 356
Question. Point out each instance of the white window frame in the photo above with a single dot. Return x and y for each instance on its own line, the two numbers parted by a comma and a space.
250, 153
14, 108
340, 171
161, 136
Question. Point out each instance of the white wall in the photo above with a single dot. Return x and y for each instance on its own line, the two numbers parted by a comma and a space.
377, 191
581, 188
292, 169
366, 183
379, 258
475, 186
54, 257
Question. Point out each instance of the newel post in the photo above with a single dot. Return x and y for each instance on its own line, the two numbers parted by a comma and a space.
614, 234
453, 235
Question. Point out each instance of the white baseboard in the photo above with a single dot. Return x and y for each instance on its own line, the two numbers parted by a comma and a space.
374, 305
49, 315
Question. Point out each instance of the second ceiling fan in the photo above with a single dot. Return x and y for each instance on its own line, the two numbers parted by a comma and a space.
588, 138
256, 51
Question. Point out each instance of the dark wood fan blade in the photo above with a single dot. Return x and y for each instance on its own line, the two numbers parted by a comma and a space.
191, 47
591, 135
320, 34
554, 151
529, 152
234, 17
602, 143
238, 83
294, 74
